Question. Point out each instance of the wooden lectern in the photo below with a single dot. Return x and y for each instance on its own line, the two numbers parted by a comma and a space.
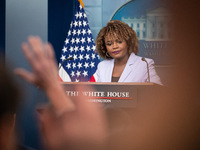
124, 95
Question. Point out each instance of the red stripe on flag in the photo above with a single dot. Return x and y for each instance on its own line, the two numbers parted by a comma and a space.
92, 79
60, 79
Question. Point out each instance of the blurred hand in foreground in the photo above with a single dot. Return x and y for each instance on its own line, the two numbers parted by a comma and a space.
42, 60
84, 128
68, 124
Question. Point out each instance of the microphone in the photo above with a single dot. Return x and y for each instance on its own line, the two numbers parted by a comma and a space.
143, 59
69, 58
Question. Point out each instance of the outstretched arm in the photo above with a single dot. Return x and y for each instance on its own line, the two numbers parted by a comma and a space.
72, 125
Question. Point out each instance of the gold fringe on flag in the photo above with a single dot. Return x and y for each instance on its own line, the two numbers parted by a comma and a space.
81, 2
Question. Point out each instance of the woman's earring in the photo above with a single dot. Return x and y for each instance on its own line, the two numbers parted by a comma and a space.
108, 55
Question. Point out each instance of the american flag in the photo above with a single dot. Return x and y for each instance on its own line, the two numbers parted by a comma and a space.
80, 46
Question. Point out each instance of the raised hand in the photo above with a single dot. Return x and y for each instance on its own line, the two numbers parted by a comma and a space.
41, 58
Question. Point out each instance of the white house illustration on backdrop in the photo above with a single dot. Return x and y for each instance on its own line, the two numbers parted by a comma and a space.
155, 26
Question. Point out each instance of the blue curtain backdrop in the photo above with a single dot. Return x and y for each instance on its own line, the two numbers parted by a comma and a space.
60, 14
2, 26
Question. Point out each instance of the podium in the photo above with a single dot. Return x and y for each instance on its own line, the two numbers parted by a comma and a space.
118, 95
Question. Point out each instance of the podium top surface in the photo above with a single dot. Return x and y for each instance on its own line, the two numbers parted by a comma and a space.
109, 83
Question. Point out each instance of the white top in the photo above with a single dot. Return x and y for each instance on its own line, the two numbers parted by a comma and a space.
134, 71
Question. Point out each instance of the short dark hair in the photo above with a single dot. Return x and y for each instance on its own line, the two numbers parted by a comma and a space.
122, 31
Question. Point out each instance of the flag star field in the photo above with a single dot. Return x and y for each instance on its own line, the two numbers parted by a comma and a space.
79, 45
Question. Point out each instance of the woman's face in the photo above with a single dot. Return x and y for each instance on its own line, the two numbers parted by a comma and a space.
116, 48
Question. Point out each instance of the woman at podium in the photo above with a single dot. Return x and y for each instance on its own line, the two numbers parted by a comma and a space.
118, 44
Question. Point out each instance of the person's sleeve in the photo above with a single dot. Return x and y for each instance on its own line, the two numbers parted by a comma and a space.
153, 74
98, 79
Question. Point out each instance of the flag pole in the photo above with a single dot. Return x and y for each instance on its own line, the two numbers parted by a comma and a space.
81, 2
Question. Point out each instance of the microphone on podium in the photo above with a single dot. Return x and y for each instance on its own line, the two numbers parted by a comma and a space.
69, 58
143, 59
